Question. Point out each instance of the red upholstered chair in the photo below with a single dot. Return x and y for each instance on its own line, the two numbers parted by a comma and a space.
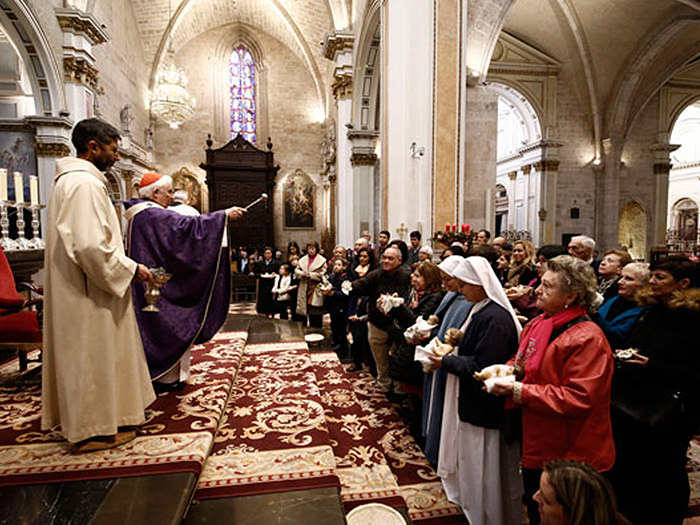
20, 328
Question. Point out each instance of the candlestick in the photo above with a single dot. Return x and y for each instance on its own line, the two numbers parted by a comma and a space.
5, 241
22, 242
19, 187
3, 184
36, 241
33, 190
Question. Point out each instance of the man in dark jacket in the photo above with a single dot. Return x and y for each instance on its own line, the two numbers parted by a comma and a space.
393, 277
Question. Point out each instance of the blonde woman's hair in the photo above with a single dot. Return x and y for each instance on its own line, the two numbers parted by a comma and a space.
530, 257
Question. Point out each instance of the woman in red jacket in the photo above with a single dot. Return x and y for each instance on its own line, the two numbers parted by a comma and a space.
564, 369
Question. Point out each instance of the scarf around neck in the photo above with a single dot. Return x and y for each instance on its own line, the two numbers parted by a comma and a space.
532, 346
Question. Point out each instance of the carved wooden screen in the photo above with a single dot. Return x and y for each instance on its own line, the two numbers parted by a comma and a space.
237, 174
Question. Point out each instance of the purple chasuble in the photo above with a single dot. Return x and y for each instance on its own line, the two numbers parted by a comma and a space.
194, 303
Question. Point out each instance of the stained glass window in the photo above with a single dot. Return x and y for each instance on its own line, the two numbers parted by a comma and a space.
242, 87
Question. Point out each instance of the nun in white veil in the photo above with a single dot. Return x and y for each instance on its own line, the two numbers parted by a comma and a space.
479, 470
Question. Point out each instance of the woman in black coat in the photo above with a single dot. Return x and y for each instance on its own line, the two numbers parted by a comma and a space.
656, 398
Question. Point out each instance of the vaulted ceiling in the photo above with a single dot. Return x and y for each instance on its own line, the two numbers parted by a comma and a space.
615, 54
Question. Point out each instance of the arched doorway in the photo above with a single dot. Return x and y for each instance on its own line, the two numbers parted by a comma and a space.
633, 229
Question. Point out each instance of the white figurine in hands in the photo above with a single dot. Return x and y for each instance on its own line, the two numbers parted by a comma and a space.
495, 375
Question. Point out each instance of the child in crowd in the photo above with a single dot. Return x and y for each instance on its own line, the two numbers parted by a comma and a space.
282, 290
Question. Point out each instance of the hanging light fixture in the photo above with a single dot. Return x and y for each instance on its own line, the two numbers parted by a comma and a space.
170, 100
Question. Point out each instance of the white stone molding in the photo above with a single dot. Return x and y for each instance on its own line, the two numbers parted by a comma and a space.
45, 74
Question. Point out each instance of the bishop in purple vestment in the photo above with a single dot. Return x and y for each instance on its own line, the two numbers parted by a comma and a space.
194, 249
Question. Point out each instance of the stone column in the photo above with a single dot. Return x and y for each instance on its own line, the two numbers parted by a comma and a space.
81, 31
363, 160
338, 47
512, 217
547, 212
481, 131
662, 167
527, 212
607, 212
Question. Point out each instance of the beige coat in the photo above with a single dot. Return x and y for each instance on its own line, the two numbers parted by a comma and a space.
95, 376
316, 272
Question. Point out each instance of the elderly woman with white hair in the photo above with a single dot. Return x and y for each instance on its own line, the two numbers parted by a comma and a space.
479, 470
452, 312
617, 315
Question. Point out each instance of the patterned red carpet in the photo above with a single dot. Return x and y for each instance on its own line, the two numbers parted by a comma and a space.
377, 459
273, 437
177, 436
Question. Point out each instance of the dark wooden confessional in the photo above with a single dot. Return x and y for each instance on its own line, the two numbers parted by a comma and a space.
237, 174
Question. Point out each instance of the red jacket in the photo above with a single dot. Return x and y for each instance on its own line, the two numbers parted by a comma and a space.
566, 406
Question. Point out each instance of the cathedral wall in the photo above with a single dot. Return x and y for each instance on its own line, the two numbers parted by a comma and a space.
46, 16
576, 178
293, 116
123, 69
637, 179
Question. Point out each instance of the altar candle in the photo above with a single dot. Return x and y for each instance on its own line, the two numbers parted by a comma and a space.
447, 227
19, 187
33, 190
464, 228
468, 227
454, 228
3, 184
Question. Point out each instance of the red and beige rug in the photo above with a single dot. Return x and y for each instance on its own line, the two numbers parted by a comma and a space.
377, 459
176, 437
273, 437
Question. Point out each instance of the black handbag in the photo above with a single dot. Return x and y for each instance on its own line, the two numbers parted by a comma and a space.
646, 404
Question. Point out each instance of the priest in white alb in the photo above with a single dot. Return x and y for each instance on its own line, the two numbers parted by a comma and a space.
95, 381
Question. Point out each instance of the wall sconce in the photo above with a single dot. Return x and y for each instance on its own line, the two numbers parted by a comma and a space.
415, 151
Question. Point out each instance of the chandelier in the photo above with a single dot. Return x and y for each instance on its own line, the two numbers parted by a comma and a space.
170, 100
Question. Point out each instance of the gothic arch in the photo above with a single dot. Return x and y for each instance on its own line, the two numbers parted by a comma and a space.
524, 104
679, 106
295, 35
367, 76
29, 40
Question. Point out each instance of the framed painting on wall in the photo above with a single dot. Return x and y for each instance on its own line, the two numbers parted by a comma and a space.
298, 196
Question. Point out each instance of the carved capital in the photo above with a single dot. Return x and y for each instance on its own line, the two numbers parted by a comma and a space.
342, 86
526, 169
542, 214
80, 71
51, 149
363, 159
546, 165
337, 42
77, 22
512, 175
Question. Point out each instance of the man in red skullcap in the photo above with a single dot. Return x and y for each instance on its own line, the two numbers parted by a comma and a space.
194, 303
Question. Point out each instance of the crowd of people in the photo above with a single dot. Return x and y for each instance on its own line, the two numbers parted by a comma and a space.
600, 398
543, 376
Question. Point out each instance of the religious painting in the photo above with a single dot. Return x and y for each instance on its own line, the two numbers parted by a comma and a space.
184, 179
298, 196
17, 154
